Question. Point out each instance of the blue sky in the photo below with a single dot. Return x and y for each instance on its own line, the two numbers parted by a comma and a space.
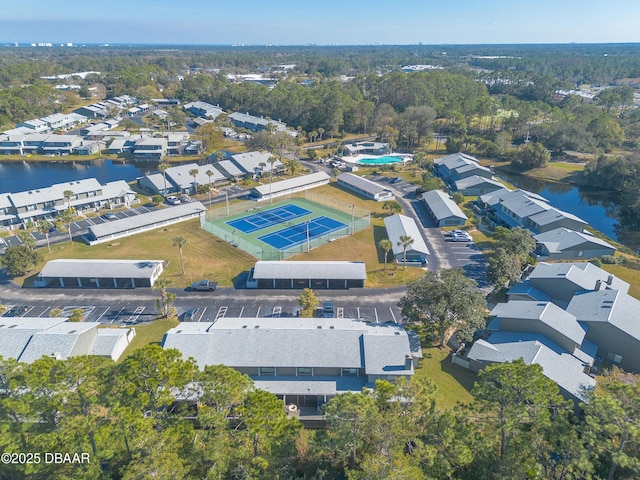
325, 22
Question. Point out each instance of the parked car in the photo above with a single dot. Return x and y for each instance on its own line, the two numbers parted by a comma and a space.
173, 200
461, 237
109, 216
327, 310
205, 285
190, 315
396, 180
15, 311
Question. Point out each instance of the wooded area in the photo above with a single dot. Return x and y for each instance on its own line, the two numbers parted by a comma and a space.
156, 415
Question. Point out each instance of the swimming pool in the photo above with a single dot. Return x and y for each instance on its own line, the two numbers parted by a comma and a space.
384, 160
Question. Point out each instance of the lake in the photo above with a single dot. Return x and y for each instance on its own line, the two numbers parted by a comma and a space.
23, 176
594, 206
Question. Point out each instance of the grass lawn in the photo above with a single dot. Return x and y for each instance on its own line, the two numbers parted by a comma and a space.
205, 256
148, 334
630, 273
454, 382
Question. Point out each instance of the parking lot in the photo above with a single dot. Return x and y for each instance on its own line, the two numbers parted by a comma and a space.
145, 310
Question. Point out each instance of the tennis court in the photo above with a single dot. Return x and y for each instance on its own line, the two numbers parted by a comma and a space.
268, 218
297, 234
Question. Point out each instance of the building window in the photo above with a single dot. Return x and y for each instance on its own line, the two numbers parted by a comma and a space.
349, 372
305, 371
614, 357
267, 372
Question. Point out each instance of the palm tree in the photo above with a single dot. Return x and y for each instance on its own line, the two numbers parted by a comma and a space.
180, 242
209, 174
406, 241
386, 245
68, 194
66, 219
162, 167
392, 207
166, 298
194, 173
292, 165
43, 227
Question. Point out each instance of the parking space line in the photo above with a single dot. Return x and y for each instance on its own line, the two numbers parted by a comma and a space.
27, 311
117, 315
222, 311
202, 314
45, 310
241, 310
102, 315
359, 312
393, 315
136, 313
375, 310
277, 311
258, 312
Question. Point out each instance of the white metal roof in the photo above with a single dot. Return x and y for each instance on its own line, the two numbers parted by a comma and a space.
289, 183
93, 268
268, 269
400, 225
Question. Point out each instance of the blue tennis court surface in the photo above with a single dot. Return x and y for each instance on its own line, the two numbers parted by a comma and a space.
267, 218
297, 234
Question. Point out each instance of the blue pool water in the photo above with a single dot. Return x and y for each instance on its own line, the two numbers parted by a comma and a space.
384, 160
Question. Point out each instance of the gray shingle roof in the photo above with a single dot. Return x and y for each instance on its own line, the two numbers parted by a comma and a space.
585, 275
557, 364
560, 239
546, 312
610, 306
474, 181
287, 342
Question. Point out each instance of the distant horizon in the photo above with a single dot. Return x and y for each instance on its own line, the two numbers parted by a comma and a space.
62, 44
334, 22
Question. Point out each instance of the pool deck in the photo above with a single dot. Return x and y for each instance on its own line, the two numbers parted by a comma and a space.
356, 158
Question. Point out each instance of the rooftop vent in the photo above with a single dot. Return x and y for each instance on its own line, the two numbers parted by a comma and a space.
244, 326
319, 327
257, 326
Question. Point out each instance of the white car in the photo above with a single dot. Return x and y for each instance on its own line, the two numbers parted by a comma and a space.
171, 200
461, 237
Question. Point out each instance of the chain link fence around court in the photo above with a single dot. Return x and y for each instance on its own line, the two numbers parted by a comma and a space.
215, 222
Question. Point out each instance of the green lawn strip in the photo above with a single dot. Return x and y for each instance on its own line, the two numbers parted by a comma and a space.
150, 333
454, 382
205, 256
630, 273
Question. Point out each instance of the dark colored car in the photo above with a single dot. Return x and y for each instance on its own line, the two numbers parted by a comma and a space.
204, 285
15, 311
190, 315
327, 310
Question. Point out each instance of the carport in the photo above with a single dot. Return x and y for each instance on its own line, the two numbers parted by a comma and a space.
105, 274
315, 275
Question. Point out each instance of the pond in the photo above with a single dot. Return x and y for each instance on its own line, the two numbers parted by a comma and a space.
23, 176
596, 207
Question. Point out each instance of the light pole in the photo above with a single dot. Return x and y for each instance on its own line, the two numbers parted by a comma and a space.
308, 246
226, 197
353, 220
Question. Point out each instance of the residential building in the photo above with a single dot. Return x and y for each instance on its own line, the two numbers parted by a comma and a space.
458, 166
251, 122
30, 206
475, 185
304, 361
564, 244
256, 164
26, 339
370, 148
203, 109
150, 149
